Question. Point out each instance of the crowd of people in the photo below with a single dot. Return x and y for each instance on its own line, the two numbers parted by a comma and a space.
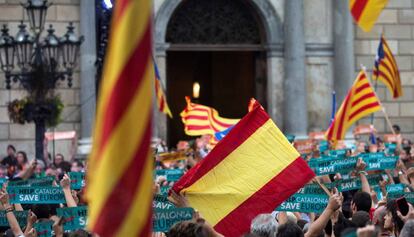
348, 213
16, 167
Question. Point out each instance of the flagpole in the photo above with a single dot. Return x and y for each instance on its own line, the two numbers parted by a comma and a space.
333, 107
382, 107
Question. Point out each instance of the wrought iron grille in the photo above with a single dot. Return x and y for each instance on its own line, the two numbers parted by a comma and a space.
214, 22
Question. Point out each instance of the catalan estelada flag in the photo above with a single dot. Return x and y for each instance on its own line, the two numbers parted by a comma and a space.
386, 69
360, 101
366, 12
200, 120
159, 92
250, 171
119, 181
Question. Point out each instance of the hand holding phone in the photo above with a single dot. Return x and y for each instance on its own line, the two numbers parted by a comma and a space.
402, 206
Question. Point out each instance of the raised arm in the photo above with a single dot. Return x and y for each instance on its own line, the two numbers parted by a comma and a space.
11, 218
65, 184
335, 202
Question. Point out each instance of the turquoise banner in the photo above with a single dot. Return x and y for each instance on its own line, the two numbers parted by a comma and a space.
36, 195
37, 182
21, 217
390, 148
164, 190
77, 180
171, 175
355, 183
304, 203
74, 217
44, 228
161, 202
323, 146
409, 196
333, 165
390, 189
315, 189
337, 153
163, 219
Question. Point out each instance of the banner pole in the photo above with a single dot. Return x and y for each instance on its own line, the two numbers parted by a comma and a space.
388, 120
323, 187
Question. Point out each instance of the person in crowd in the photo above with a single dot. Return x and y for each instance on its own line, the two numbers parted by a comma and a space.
393, 222
264, 225
77, 166
22, 163
10, 159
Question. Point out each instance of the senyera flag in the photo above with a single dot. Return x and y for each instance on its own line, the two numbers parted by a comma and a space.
160, 94
386, 69
366, 12
200, 120
360, 101
119, 181
250, 171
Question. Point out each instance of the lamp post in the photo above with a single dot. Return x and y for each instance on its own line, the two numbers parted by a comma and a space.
38, 64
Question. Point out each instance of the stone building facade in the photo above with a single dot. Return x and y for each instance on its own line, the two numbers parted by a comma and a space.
310, 48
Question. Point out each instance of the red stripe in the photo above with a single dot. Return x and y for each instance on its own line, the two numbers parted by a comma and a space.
365, 107
391, 71
211, 115
360, 88
383, 75
120, 6
237, 136
198, 127
127, 86
358, 8
118, 203
364, 97
341, 121
265, 200
161, 104
198, 117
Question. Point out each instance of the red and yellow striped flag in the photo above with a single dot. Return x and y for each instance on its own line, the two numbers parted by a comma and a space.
159, 92
386, 69
366, 12
359, 102
200, 120
119, 181
251, 170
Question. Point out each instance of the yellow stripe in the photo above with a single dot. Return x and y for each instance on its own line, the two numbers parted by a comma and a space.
351, 3
363, 114
242, 173
362, 104
125, 139
371, 13
122, 43
138, 213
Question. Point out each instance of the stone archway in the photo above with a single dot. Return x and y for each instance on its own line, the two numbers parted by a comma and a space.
271, 43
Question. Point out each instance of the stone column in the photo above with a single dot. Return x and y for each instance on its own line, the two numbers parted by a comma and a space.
295, 106
344, 68
87, 73
275, 75
160, 119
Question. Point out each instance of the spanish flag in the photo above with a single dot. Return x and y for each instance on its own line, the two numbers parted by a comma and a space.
119, 181
250, 171
200, 120
386, 69
360, 101
366, 12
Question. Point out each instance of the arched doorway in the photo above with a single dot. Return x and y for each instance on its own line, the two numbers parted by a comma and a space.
224, 45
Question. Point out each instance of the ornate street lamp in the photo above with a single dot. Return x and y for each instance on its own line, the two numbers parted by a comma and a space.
40, 63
